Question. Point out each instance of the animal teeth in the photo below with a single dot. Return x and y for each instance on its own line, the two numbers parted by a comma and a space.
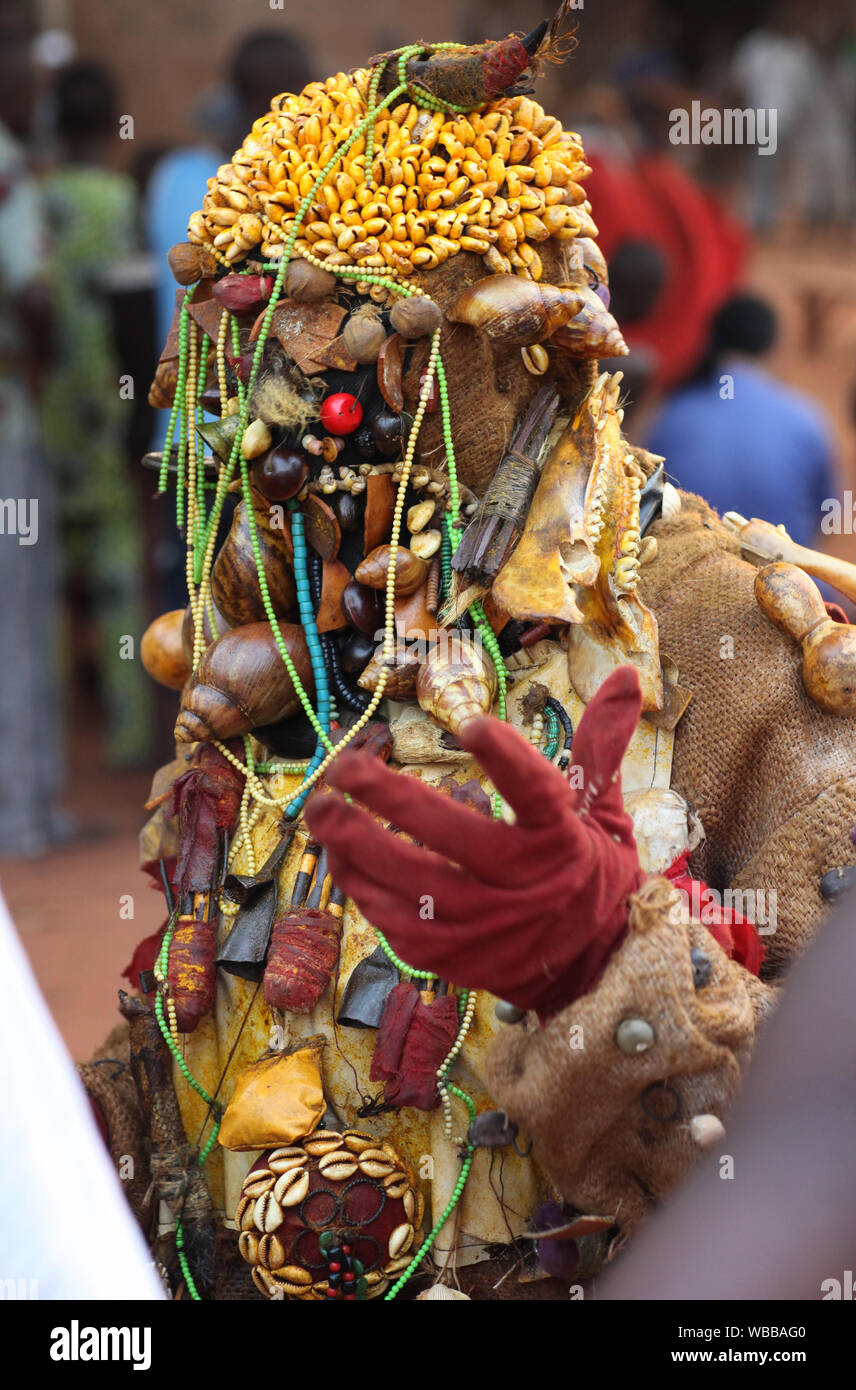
297, 1191
268, 1213
401, 1240
257, 1183
271, 1251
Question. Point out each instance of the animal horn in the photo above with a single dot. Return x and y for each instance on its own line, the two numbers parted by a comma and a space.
533, 40
466, 77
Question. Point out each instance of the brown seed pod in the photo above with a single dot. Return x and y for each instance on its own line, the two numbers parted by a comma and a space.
416, 317
322, 527
390, 371
380, 509
305, 282
593, 332
190, 263
410, 571
457, 683
242, 681
364, 335
514, 310
234, 577
161, 650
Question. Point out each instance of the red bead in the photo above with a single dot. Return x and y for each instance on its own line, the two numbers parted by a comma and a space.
349, 1298
341, 413
348, 1278
346, 1249
334, 1267
331, 1293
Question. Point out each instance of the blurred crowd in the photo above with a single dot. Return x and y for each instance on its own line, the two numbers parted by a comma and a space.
86, 299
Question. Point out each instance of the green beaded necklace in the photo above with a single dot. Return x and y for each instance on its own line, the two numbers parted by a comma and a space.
187, 415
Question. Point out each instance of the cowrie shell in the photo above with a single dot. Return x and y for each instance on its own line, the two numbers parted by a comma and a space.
268, 1214
401, 1240
248, 1245
271, 1251
339, 1171
295, 1194
408, 1201
373, 1168
295, 1274
281, 1160
396, 1186
258, 1182
357, 1142
244, 1213
263, 1281
285, 1181
322, 1142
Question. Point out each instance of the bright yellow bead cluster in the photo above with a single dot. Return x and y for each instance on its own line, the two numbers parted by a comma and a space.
495, 182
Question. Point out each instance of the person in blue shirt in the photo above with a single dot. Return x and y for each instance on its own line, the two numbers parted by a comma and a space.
742, 440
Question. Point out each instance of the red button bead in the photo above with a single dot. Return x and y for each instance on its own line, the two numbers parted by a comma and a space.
334, 1268
341, 413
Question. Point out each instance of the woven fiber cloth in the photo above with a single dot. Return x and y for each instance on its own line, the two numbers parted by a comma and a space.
772, 776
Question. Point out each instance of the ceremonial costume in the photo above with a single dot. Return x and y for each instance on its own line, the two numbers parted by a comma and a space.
472, 1029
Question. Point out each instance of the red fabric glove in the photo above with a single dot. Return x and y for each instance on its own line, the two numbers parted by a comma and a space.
530, 911
731, 930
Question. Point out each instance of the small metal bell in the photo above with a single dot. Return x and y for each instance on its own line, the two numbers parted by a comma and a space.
634, 1035
836, 882
245, 949
508, 1013
492, 1130
702, 968
371, 982
219, 435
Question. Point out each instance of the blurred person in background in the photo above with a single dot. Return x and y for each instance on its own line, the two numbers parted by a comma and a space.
91, 211
646, 205
781, 67
30, 726
742, 440
265, 63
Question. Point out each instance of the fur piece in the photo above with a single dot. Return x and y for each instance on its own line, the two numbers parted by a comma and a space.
277, 401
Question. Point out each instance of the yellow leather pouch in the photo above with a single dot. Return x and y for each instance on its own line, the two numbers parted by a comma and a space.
278, 1099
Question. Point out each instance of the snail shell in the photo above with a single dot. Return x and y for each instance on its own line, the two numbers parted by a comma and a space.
234, 578
517, 311
161, 650
410, 571
242, 681
593, 332
456, 683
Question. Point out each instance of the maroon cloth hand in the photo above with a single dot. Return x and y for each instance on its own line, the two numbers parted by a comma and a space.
530, 911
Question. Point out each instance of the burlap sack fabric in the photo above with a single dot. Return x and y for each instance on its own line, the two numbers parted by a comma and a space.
772, 776
109, 1083
488, 388
612, 1129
